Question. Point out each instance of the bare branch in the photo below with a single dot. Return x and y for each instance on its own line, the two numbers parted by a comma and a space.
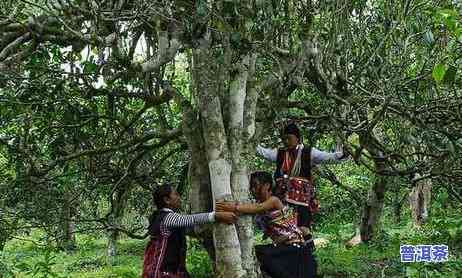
167, 50
14, 45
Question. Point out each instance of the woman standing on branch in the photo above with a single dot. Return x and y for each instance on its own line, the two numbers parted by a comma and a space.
165, 254
293, 175
289, 256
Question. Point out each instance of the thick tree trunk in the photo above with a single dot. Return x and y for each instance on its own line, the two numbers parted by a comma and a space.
372, 210
398, 199
397, 207
227, 246
200, 194
420, 200
112, 236
66, 239
245, 224
226, 95
112, 244
239, 175
119, 203
250, 104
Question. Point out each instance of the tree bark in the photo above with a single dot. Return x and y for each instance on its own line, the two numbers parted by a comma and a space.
420, 200
112, 243
397, 206
239, 174
372, 210
66, 239
200, 194
227, 246
119, 204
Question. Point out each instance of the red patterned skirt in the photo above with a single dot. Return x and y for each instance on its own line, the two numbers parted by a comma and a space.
153, 258
298, 191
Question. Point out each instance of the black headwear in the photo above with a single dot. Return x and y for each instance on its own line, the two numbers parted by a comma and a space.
292, 128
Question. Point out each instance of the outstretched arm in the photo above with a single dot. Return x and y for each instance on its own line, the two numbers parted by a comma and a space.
176, 220
320, 157
267, 153
250, 208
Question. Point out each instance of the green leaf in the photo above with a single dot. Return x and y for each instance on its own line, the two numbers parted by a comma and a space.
450, 75
411, 272
202, 10
458, 34
89, 67
446, 12
57, 56
235, 40
449, 18
451, 24
438, 72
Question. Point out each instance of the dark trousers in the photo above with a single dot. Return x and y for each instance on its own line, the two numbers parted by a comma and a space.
286, 261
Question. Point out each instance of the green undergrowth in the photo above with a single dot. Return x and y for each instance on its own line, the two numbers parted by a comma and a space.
381, 257
28, 259
378, 258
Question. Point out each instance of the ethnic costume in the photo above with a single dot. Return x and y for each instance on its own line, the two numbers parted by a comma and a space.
289, 256
165, 254
298, 188
294, 183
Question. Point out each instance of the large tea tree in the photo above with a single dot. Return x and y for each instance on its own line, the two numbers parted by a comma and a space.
96, 94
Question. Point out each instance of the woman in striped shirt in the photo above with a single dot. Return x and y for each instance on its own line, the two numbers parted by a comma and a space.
165, 254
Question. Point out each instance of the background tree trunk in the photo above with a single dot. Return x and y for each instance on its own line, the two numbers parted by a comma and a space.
398, 198
372, 209
112, 243
67, 237
114, 219
420, 200
397, 207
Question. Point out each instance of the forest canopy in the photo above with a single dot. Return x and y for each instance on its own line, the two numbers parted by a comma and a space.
101, 101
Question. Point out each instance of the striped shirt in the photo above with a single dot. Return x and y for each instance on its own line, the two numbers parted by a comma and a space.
175, 220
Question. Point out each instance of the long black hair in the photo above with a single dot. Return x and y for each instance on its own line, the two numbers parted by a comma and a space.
260, 178
292, 128
158, 195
